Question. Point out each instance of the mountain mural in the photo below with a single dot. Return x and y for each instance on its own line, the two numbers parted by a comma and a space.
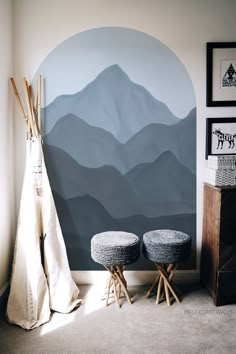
163, 180
117, 157
82, 217
94, 147
105, 184
112, 102
150, 189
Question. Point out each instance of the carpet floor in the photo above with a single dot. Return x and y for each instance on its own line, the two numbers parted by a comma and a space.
194, 326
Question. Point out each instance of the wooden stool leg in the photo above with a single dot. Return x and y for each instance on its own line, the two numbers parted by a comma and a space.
124, 288
171, 276
166, 292
159, 288
165, 275
173, 293
108, 289
120, 270
118, 290
164, 283
115, 292
153, 286
116, 283
170, 269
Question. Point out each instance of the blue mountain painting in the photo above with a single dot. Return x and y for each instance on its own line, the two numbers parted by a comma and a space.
112, 102
118, 159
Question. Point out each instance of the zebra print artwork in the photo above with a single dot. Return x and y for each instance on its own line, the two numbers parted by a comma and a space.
223, 137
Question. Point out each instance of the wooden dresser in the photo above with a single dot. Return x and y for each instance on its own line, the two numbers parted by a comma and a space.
218, 257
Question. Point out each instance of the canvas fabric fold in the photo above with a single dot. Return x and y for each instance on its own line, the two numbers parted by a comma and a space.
41, 279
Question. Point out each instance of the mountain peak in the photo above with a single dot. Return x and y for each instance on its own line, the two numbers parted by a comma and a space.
114, 68
113, 71
114, 102
165, 160
166, 156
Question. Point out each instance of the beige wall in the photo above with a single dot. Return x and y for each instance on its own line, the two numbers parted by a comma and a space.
7, 213
183, 25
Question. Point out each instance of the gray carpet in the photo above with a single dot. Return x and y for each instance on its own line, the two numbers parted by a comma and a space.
194, 326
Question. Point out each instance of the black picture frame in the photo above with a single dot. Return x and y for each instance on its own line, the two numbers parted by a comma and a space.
216, 123
212, 48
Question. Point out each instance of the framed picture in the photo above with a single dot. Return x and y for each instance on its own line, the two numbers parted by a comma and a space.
221, 74
220, 136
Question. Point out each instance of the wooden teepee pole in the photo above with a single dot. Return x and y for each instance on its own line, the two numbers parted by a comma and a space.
21, 108
30, 108
33, 106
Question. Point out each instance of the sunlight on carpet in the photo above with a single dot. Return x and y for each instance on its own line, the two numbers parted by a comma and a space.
93, 301
58, 320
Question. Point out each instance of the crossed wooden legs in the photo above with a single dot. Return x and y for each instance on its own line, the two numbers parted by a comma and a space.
116, 283
164, 283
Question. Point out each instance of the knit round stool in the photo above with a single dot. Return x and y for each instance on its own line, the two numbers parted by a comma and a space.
166, 248
114, 250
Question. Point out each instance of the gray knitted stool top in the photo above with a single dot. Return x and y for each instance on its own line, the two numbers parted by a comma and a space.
166, 246
166, 236
115, 248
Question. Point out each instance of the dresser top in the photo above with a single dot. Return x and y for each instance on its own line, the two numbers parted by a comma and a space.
222, 188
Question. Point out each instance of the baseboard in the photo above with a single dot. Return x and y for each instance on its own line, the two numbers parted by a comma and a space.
133, 277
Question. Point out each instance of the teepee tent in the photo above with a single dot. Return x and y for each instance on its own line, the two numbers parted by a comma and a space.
41, 280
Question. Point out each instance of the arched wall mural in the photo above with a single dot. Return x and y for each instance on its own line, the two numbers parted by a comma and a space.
119, 132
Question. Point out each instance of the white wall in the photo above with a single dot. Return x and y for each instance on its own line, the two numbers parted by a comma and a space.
7, 212
183, 25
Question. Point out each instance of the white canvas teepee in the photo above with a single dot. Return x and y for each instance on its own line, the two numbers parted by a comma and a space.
41, 279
